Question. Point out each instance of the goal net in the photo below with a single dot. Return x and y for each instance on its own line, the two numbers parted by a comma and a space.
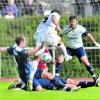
27, 16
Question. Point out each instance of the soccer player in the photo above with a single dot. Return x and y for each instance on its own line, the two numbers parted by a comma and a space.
41, 72
75, 47
43, 83
47, 32
21, 54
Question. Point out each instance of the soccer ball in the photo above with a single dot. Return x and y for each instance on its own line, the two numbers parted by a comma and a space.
46, 57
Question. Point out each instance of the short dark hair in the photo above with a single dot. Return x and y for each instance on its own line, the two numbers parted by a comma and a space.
19, 39
72, 17
56, 10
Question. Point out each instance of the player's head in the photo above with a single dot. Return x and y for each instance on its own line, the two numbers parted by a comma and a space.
73, 21
21, 41
55, 11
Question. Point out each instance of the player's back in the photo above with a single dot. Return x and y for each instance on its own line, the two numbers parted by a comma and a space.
48, 23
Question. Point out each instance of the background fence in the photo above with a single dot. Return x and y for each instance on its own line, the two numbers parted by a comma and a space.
28, 17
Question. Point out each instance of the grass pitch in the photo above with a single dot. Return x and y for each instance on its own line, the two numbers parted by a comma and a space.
91, 93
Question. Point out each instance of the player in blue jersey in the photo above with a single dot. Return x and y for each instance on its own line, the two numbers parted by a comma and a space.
43, 83
74, 33
21, 54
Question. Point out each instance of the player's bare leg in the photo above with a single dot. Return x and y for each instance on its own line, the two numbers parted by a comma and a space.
66, 55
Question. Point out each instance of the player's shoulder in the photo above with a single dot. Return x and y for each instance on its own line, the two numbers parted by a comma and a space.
80, 26
21, 50
66, 26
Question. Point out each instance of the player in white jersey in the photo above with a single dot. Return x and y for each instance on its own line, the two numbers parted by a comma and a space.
47, 32
75, 47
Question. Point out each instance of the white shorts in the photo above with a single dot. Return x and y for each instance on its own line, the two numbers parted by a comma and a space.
49, 37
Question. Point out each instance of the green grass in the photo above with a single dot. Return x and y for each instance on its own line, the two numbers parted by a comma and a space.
92, 93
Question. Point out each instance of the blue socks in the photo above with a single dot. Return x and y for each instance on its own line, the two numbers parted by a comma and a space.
91, 71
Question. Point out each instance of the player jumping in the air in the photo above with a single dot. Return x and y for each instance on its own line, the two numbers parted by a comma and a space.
47, 32
75, 47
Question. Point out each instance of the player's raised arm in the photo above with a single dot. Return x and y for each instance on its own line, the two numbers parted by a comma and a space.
93, 40
54, 19
34, 50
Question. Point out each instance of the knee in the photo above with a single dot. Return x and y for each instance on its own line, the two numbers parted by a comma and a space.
47, 75
85, 61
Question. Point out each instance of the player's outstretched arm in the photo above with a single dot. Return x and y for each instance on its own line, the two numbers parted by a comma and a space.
34, 50
8, 50
93, 40
3, 50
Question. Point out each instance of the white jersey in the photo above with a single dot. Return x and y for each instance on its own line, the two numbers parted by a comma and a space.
74, 36
46, 32
45, 26
49, 22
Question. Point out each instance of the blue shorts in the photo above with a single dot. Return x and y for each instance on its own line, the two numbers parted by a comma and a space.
38, 73
23, 73
79, 52
47, 84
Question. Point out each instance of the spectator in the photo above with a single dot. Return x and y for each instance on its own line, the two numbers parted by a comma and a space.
10, 11
80, 7
95, 7
26, 7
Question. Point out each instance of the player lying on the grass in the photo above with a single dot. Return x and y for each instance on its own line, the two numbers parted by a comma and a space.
73, 83
47, 32
75, 47
21, 55
42, 73
47, 84
70, 85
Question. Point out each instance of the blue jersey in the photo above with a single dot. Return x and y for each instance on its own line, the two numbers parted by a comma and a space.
22, 60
